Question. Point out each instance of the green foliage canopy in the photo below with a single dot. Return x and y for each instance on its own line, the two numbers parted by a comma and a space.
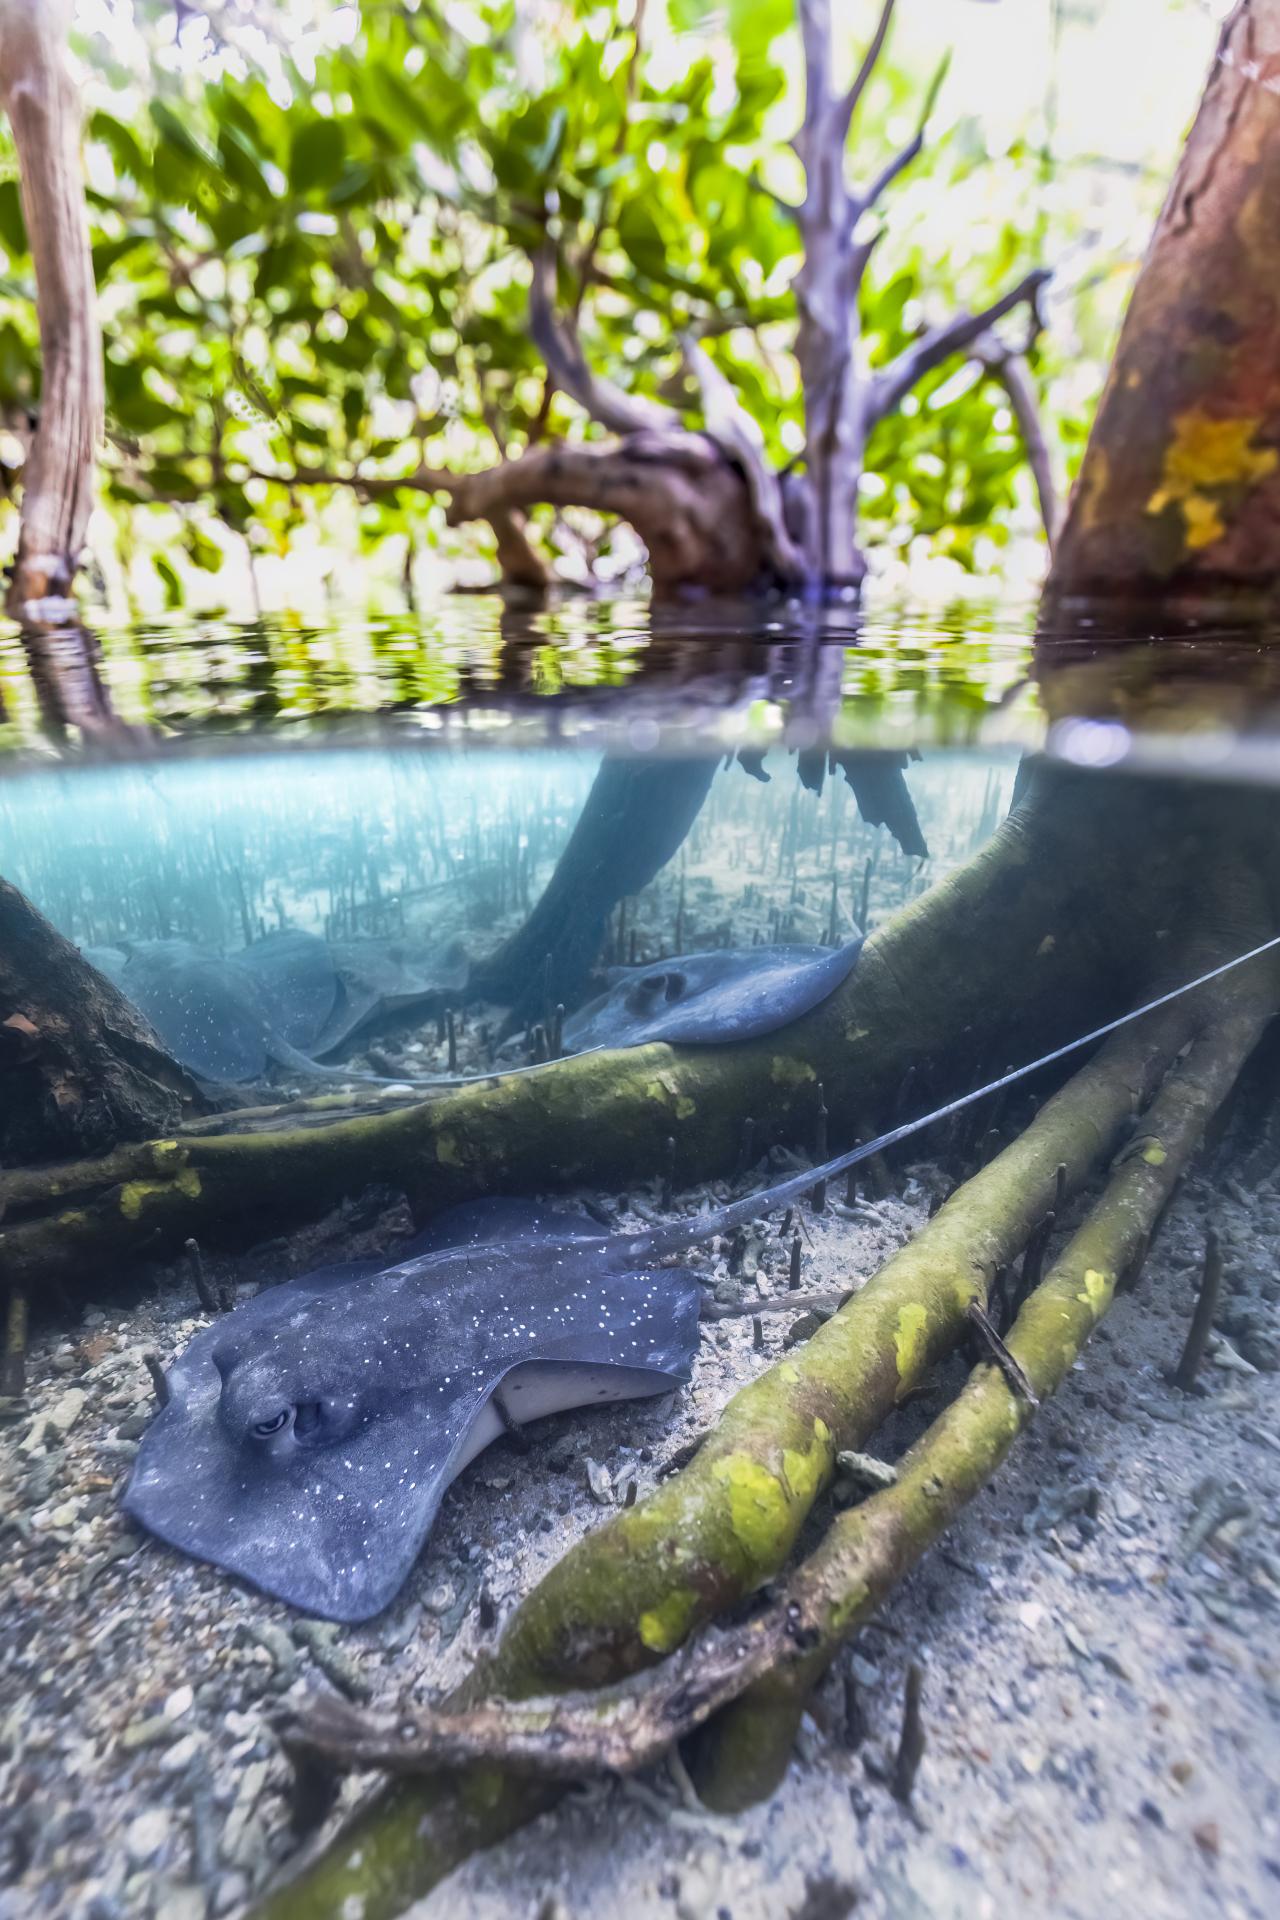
332, 275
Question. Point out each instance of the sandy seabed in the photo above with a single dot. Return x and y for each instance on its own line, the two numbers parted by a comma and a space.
1101, 1693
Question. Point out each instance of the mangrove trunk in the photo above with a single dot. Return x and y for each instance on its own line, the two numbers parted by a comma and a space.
1179, 491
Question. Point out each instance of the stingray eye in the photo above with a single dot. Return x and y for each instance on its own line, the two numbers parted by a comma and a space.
676, 984
263, 1429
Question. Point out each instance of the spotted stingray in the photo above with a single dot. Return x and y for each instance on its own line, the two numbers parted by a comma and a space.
310, 1435
710, 999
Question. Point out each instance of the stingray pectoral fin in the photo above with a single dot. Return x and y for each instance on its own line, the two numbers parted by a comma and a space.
643, 1321
333, 1529
295, 977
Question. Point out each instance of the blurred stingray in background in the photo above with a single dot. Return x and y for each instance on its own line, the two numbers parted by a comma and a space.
283, 1001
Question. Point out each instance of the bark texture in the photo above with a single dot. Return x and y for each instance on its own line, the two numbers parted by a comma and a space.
79, 1069
1179, 491
636, 816
688, 503
39, 97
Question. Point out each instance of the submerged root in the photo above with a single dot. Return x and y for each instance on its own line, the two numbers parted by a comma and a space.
935, 972
744, 1754
618, 1729
635, 1589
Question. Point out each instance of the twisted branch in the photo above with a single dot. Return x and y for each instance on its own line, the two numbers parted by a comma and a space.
889, 387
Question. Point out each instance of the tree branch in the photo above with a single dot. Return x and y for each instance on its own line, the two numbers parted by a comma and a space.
521, 564
890, 386
1010, 369
615, 1729
849, 105
732, 429
557, 341
914, 147
815, 39
371, 486
37, 93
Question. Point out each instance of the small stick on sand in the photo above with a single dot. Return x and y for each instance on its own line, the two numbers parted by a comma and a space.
826, 1302
1184, 1374
911, 1745
1033, 1260
159, 1385
13, 1371
205, 1294
818, 1198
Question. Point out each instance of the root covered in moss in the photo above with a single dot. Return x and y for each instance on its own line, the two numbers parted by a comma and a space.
1009, 953
639, 1586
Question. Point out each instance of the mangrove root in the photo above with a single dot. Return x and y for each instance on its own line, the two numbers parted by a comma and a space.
79, 1068
868, 1549
1068, 942
632, 1591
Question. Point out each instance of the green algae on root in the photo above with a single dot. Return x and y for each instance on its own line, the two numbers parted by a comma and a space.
744, 1753
630, 1591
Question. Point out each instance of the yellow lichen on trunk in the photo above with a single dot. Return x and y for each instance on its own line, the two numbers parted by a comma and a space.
1179, 489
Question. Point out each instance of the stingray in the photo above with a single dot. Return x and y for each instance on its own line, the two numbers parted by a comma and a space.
279, 1002
214, 1015
310, 1434
378, 979
710, 999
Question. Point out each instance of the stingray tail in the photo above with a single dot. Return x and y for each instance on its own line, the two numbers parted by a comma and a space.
674, 1235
